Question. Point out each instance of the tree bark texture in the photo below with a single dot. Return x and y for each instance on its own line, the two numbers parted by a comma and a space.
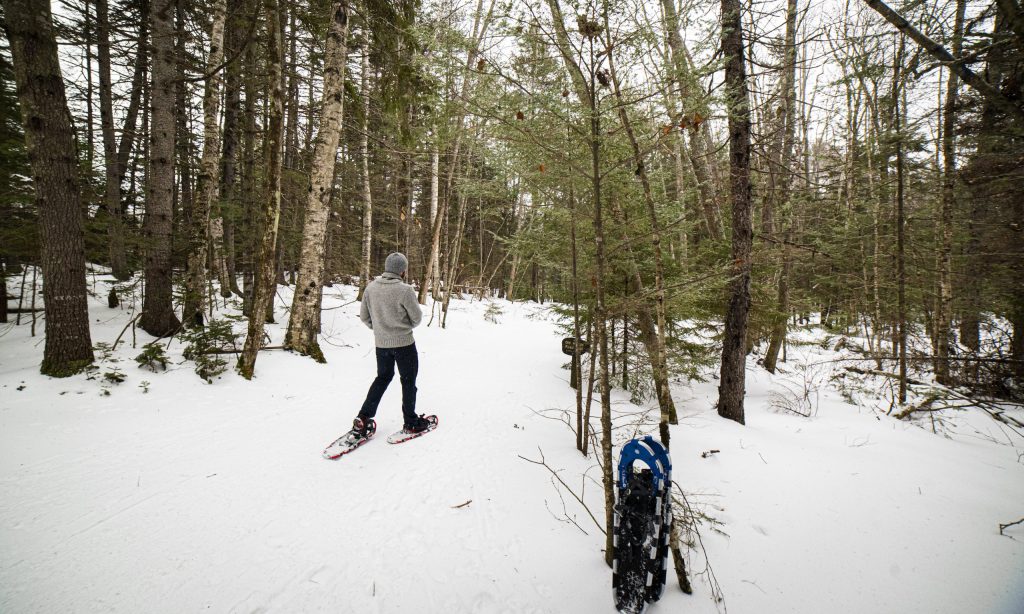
264, 286
303, 322
732, 386
50, 141
158, 317
364, 154
199, 231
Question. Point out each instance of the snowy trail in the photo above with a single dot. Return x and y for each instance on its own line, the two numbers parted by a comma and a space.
197, 497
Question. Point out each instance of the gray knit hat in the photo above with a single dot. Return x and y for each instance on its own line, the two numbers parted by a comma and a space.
396, 263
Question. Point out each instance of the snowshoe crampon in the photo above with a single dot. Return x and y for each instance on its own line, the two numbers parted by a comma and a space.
643, 516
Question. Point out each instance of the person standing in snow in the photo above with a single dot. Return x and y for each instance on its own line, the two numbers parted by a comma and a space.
391, 310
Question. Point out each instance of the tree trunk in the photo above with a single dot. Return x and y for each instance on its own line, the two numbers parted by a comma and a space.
517, 215
131, 116
50, 141
264, 287
183, 137
364, 154
785, 181
659, 358
901, 275
731, 390
587, 94
199, 231
158, 318
689, 94
302, 324
112, 190
221, 221
435, 246
943, 316
480, 25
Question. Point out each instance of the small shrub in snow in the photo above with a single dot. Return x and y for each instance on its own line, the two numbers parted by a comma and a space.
152, 357
493, 313
799, 397
204, 346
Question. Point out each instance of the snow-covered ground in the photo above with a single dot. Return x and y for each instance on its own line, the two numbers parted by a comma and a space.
182, 496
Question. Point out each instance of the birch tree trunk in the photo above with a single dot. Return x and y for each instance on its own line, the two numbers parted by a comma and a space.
158, 317
433, 278
263, 283
517, 215
364, 154
480, 25
49, 139
731, 390
302, 324
199, 231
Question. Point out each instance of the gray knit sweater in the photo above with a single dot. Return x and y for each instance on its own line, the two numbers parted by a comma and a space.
390, 308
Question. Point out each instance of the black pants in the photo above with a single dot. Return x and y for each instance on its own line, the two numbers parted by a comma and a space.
408, 364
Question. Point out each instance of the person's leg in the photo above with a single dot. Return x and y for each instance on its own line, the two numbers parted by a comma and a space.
385, 373
408, 366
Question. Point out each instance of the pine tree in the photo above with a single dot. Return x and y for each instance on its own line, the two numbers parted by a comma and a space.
51, 151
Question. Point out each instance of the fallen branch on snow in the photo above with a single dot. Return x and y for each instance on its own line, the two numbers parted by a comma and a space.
1003, 527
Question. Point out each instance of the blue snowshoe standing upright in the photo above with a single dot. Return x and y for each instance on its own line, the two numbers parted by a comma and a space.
643, 519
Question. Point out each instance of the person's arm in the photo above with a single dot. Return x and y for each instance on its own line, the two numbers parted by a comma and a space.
412, 307
364, 311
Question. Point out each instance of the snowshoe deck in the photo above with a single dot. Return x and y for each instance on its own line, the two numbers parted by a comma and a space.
404, 435
349, 442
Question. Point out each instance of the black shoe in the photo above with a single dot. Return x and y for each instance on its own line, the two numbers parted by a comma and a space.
421, 424
364, 426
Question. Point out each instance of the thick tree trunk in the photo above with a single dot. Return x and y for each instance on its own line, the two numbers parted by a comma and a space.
50, 141
158, 317
303, 324
731, 390
199, 231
